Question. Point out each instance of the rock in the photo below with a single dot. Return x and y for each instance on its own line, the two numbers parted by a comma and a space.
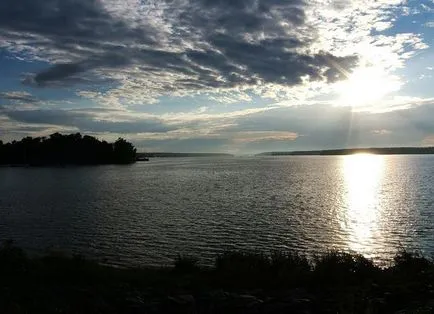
277, 307
134, 304
376, 305
183, 299
248, 298
219, 295
289, 303
242, 304
248, 301
181, 304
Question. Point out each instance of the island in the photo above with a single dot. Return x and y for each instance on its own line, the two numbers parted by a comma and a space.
59, 150
351, 151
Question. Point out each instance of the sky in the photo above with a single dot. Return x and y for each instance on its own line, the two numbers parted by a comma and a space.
237, 76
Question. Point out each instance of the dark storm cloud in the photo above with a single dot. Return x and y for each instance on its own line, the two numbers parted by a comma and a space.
67, 23
208, 44
55, 73
85, 121
71, 73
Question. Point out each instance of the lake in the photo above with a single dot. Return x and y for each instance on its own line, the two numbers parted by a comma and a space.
147, 213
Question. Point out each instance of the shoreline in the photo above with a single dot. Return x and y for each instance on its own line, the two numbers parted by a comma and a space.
382, 151
238, 282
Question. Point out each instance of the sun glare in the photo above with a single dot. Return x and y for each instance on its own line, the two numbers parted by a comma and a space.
366, 86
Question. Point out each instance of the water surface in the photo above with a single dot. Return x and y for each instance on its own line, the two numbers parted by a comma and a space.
148, 212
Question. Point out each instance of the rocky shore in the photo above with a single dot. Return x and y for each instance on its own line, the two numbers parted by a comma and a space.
238, 283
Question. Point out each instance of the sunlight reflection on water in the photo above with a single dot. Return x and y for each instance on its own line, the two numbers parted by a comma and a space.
361, 215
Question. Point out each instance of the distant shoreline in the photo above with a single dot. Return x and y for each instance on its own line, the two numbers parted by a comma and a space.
179, 155
352, 151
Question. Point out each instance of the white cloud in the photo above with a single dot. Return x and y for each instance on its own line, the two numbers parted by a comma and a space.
381, 132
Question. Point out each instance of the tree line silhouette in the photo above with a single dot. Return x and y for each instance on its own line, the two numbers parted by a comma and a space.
72, 149
352, 151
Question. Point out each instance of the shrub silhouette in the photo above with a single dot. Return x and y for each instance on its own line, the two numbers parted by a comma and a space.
239, 282
342, 267
411, 263
185, 264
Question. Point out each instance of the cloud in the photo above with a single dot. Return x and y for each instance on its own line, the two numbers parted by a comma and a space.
18, 96
145, 49
381, 132
428, 140
94, 121
319, 126
13, 130
327, 127
18, 100
212, 145
124, 53
263, 136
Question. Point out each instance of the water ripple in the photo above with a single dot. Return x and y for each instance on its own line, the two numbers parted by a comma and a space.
149, 212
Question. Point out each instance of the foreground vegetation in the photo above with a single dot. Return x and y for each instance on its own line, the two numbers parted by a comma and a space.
237, 283
72, 149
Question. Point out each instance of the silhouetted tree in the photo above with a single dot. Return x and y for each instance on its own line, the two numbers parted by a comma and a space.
60, 149
124, 152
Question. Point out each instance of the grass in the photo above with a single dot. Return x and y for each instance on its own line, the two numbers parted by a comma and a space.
334, 282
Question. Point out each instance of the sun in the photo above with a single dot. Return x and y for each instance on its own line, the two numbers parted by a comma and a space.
366, 86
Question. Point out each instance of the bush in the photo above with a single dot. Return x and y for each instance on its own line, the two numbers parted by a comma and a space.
186, 264
411, 263
278, 269
242, 263
13, 260
341, 267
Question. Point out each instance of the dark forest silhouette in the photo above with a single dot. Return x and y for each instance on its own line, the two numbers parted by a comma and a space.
73, 149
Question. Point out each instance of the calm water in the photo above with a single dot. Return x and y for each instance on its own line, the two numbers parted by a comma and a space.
148, 212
